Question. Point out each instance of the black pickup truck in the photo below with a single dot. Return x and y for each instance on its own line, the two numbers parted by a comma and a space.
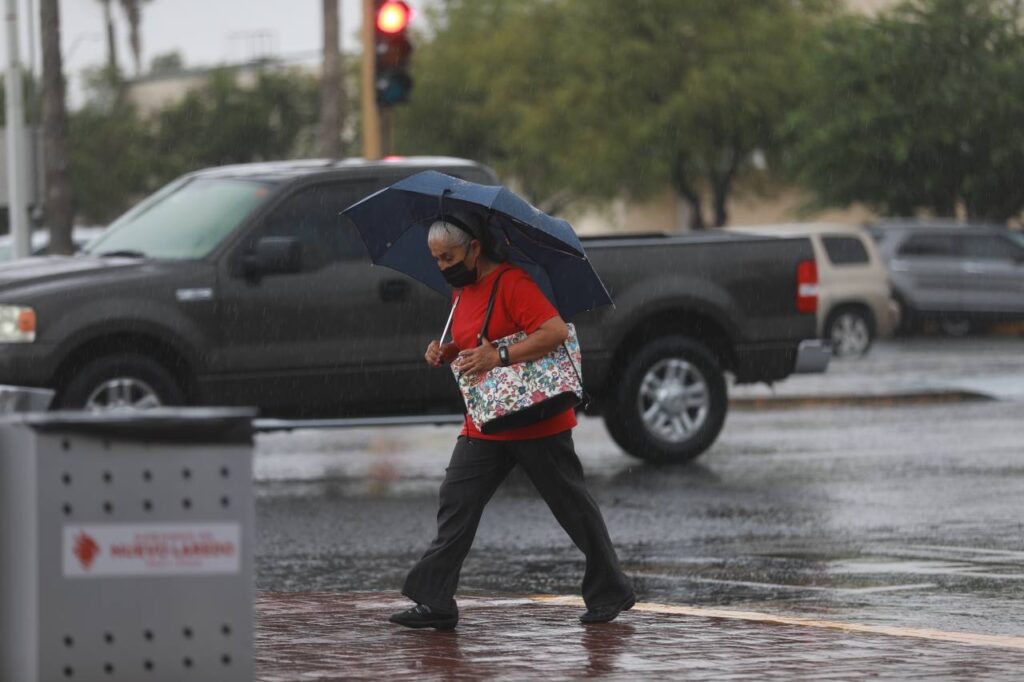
242, 285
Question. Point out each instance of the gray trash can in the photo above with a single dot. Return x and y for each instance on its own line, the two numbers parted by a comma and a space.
126, 546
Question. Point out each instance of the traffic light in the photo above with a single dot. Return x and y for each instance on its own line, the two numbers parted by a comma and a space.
392, 49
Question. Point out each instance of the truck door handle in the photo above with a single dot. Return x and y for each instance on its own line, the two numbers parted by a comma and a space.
394, 290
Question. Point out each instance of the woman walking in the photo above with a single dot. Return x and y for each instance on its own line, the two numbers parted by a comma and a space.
480, 462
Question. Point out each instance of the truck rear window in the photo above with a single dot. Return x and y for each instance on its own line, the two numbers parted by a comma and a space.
845, 250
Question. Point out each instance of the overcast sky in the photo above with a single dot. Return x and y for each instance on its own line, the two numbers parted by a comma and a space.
207, 32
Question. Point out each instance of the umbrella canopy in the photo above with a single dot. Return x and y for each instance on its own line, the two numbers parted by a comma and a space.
393, 224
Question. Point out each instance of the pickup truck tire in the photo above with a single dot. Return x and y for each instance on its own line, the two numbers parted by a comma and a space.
128, 381
671, 401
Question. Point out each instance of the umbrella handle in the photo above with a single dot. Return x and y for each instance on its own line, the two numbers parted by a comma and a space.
451, 316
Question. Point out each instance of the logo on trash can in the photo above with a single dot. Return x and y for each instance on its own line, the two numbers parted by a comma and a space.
110, 549
86, 549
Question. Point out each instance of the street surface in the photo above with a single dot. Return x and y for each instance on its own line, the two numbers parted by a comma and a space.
903, 516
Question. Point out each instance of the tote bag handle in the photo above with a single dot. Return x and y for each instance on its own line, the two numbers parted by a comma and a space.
490, 308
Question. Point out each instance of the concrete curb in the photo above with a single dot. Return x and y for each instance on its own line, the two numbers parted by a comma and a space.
854, 400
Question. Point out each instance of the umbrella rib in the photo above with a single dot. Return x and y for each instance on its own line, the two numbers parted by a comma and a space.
542, 245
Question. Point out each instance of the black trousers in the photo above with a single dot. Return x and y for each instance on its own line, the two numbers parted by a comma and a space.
476, 470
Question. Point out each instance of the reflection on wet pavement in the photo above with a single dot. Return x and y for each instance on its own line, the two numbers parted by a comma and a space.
335, 636
907, 516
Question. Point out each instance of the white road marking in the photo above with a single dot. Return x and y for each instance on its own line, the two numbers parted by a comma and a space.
967, 638
1009, 554
796, 588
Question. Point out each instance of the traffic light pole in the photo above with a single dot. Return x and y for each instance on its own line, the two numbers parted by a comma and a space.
371, 113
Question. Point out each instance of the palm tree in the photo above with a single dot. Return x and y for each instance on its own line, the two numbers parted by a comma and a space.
108, 18
133, 11
330, 84
58, 207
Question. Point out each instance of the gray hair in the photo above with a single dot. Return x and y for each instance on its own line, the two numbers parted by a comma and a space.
449, 234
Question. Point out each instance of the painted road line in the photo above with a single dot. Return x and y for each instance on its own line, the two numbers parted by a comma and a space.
1009, 554
967, 638
923, 397
780, 586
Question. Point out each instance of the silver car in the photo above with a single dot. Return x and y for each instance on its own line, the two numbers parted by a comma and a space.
961, 276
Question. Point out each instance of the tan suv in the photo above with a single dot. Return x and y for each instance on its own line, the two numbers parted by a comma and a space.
855, 303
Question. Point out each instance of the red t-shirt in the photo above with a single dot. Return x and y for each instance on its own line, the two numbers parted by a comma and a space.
519, 306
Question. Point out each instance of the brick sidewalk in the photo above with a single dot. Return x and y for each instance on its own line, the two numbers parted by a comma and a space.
343, 636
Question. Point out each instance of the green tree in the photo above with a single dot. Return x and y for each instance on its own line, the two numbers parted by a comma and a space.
917, 109
117, 156
465, 102
588, 98
110, 150
168, 62
112, 165
225, 122
33, 104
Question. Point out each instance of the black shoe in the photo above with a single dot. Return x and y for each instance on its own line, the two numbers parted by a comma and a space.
606, 614
420, 616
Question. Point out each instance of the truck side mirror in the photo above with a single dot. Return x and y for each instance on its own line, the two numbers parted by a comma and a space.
273, 256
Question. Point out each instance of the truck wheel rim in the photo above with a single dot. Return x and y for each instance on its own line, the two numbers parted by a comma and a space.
673, 400
850, 335
123, 393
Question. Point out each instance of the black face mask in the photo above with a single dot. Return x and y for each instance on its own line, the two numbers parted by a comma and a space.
459, 275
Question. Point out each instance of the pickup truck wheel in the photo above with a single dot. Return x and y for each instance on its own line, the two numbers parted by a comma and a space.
121, 382
671, 402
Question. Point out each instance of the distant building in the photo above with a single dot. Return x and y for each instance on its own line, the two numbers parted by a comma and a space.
152, 92
870, 6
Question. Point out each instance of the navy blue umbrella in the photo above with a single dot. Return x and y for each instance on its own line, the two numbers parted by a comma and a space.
393, 224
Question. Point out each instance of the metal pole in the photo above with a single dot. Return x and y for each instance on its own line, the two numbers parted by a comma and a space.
30, 16
15, 112
371, 115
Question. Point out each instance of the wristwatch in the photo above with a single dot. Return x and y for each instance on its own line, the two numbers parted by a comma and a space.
503, 354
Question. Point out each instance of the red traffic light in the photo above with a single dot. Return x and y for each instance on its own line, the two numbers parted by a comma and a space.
393, 16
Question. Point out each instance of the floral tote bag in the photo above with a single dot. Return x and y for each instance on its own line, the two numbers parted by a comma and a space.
523, 393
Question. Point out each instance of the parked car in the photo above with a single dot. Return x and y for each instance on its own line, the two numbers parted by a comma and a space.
855, 305
40, 239
961, 276
243, 285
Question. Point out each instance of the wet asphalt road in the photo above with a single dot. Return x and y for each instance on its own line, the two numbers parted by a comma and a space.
907, 515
